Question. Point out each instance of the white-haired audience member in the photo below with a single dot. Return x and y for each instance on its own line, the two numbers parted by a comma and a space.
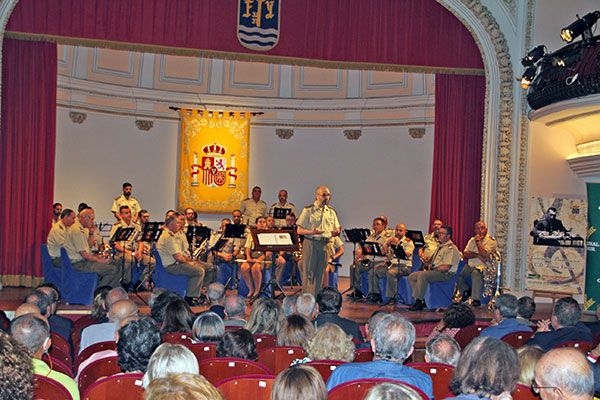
216, 297
442, 349
392, 391
208, 328
306, 304
289, 305
393, 342
563, 373
235, 311
170, 359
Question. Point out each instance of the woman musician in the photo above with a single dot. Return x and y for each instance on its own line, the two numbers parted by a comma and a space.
255, 262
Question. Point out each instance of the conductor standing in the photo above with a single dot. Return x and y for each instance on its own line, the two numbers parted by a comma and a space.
318, 222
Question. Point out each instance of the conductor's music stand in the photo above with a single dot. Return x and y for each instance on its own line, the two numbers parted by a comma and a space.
355, 236
234, 231
122, 235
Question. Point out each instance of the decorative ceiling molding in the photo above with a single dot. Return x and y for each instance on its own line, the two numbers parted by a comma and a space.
284, 133
144, 124
352, 134
77, 117
585, 166
416, 133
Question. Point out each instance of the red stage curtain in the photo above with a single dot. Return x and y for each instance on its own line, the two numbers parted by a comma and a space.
456, 186
27, 148
407, 32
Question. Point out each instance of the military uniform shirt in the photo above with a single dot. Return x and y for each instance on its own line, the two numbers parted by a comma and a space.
489, 244
57, 238
77, 241
252, 210
322, 218
168, 245
448, 254
133, 204
431, 245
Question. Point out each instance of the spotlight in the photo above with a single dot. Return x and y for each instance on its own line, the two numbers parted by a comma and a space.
566, 60
580, 26
528, 77
534, 56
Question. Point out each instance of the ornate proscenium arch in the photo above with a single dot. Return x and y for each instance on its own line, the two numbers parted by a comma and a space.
498, 164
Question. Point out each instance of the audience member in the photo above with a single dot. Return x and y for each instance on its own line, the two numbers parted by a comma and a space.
208, 328
306, 304
265, 317
215, 293
235, 311
288, 305
58, 324
526, 309
299, 383
118, 310
442, 349
28, 308
178, 317
375, 317
99, 307
170, 359
562, 327
505, 318
16, 370
34, 334
137, 341
456, 317
486, 369
295, 330
392, 391
563, 374
182, 387
238, 344
528, 359
40, 300
330, 304
159, 306
330, 342
393, 342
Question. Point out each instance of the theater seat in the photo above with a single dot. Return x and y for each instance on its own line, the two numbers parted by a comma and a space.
253, 387
517, 339
46, 388
325, 367
183, 338
359, 388
263, 342
203, 351
116, 387
218, 369
278, 358
96, 370
77, 287
441, 376
165, 280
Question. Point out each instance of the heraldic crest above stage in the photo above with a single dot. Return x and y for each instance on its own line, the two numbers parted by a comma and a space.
258, 24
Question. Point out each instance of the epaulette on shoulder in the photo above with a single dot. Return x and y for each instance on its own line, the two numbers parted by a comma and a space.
117, 198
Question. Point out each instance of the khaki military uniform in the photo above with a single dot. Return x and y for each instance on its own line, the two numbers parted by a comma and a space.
475, 267
397, 268
77, 242
314, 248
252, 210
56, 239
170, 244
120, 259
289, 206
374, 262
132, 202
431, 245
446, 254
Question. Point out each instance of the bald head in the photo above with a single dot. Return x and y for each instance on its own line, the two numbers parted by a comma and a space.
115, 295
122, 309
322, 195
86, 217
28, 308
567, 373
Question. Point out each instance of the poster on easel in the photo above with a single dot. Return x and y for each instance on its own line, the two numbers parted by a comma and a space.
556, 256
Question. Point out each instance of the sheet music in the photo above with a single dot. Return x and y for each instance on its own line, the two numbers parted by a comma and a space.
269, 239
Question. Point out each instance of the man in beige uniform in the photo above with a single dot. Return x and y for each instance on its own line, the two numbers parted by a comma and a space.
283, 203
362, 263
177, 261
478, 251
253, 207
78, 250
58, 235
318, 223
125, 250
444, 263
126, 199
431, 242
397, 267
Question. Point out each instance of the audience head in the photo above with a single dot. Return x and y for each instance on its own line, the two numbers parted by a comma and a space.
458, 315
330, 342
393, 338
100, 309
564, 373
31, 332
487, 367
373, 320
298, 383
137, 341
506, 306
182, 387
158, 308
115, 295
235, 307
29, 309
122, 309
329, 300
392, 391
178, 317
288, 305
295, 330
442, 349
170, 359
53, 295
208, 328
566, 312
265, 317
306, 304
526, 307
239, 344
16, 370
215, 293
528, 359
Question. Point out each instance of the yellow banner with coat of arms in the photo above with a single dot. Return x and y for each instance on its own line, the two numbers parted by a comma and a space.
213, 160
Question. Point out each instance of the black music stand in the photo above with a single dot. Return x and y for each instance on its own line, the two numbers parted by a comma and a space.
196, 236
281, 213
417, 238
274, 240
121, 235
150, 234
355, 236
234, 231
